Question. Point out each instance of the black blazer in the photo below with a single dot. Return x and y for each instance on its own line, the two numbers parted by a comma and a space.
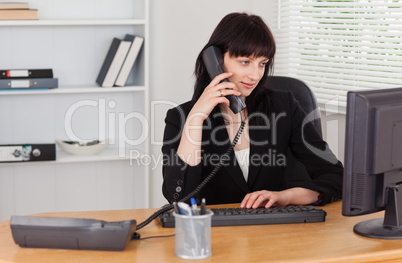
268, 147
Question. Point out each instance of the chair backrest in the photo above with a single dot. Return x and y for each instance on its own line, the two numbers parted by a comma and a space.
295, 171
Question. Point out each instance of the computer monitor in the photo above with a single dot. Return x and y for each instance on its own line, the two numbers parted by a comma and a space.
373, 161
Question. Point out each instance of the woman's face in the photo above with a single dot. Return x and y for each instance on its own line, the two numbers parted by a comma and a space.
247, 72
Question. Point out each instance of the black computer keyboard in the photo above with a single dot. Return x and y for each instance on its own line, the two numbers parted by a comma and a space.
259, 216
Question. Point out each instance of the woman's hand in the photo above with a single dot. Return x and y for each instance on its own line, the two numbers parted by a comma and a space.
214, 94
265, 198
292, 196
189, 148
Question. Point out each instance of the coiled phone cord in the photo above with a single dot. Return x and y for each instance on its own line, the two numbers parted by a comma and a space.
168, 207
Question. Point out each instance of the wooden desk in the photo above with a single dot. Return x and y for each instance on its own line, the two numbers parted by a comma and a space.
330, 241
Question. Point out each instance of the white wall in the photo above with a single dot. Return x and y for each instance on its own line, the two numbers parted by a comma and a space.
178, 31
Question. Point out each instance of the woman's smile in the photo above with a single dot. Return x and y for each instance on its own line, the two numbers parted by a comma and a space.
248, 85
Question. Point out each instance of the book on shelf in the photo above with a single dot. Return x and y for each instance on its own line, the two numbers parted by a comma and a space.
18, 14
17, 5
131, 57
34, 83
25, 73
112, 63
27, 152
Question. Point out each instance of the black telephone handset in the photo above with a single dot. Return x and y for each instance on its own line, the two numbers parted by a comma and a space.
213, 60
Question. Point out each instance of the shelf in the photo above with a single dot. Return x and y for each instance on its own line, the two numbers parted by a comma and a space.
70, 90
106, 155
71, 22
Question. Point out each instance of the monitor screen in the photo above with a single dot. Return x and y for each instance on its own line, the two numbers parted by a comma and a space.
373, 161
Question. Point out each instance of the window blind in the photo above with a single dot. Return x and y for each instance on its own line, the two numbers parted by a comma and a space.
338, 46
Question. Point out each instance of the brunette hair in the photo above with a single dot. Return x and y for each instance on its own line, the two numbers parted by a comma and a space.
241, 34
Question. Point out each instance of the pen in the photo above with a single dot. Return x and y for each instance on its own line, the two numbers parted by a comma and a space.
194, 206
184, 209
189, 230
203, 209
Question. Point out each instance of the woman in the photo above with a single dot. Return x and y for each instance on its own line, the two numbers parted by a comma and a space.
199, 132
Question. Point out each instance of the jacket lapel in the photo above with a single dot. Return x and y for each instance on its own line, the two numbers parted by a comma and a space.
220, 144
258, 148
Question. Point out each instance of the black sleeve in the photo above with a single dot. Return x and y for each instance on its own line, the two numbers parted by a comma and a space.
307, 146
179, 178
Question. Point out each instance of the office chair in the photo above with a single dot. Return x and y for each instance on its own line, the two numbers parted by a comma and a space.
295, 170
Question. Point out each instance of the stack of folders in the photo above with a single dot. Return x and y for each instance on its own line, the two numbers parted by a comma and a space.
17, 11
27, 79
119, 61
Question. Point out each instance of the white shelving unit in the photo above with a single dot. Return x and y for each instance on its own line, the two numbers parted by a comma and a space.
75, 22
72, 90
72, 37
